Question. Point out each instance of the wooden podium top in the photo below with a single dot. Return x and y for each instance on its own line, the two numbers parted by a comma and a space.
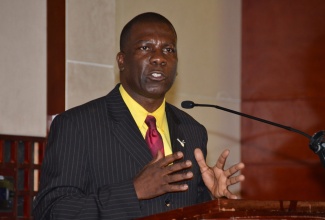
246, 209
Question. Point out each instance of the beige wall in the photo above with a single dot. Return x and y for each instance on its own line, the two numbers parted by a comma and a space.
90, 49
23, 67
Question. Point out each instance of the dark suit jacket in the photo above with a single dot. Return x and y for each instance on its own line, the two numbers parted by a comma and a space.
94, 152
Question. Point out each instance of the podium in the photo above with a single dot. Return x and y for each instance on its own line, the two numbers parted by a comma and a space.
245, 209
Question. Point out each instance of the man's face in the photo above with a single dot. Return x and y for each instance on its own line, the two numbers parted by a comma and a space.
148, 61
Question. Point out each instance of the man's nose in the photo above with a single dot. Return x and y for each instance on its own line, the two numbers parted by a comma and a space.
158, 58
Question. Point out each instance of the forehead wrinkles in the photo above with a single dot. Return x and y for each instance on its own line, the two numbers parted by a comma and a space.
157, 42
152, 32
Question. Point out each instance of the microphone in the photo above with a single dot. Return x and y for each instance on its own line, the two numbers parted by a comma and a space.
316, 142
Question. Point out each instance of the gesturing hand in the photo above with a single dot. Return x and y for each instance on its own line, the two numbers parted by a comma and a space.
216, 178
159, 177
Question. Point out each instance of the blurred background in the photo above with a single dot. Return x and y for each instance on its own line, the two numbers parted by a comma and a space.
264, 58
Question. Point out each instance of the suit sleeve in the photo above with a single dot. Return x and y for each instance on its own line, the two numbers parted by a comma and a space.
63, 188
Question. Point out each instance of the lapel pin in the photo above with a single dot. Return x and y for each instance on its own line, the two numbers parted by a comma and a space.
182, 142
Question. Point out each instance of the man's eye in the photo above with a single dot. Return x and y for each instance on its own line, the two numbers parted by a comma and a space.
169, 50
144, 48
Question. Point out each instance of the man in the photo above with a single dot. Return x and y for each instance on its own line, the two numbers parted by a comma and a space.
98, 164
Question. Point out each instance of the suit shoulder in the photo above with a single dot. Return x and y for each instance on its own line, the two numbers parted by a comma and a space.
88, 108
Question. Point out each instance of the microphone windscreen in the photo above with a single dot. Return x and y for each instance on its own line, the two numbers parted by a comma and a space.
187, 104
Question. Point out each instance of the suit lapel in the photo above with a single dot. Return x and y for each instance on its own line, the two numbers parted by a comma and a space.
176, 134
125, 128
129, 135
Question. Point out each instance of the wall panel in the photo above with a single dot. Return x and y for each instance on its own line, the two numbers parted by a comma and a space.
283, 56
23, 67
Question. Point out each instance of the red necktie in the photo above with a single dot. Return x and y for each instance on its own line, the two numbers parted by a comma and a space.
153, 137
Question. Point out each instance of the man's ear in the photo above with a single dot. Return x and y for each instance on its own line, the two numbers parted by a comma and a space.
120, 60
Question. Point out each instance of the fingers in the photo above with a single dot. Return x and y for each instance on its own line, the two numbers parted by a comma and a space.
177, 188
222, 159
234, 169
162, 176
168, 165
200, 160
178, 166
231, 171
178, 177
158, 157
169, 181
229, 195
165, 161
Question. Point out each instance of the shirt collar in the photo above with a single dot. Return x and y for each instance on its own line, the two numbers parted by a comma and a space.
139, 113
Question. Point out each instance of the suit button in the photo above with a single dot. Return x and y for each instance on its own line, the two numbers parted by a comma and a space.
167, 202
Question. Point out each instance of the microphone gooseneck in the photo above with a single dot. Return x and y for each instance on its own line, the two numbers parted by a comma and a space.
317, 141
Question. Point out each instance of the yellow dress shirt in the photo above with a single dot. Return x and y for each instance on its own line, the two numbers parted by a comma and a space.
139, 114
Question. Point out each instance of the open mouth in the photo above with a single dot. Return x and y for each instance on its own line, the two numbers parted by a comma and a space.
157, 76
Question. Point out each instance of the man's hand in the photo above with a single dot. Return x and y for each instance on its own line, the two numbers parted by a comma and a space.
216, 178
159, 177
